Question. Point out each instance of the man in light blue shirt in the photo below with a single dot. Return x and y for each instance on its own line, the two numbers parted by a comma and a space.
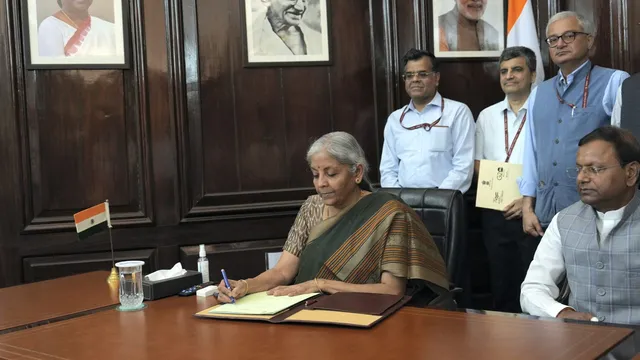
561, 111
430, 142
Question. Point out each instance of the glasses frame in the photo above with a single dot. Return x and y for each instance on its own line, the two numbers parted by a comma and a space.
417, 74
593, 172
562, 36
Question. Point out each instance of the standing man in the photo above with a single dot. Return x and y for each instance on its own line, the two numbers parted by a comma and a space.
627, 107
428, 143
561, 111
500, 135
281, 30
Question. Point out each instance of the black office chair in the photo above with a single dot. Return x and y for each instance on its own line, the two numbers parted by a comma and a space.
443, 213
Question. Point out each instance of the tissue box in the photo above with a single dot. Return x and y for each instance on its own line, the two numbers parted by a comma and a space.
154, 290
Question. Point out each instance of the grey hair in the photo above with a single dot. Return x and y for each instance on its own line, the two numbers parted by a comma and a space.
587, 25
343, 147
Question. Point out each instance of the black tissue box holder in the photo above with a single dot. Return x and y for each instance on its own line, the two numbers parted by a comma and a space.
154, 290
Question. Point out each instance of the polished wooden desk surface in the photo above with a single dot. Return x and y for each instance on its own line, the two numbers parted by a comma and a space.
167, 329
52, 300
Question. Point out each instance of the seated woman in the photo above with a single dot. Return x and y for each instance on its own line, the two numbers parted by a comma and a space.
348, 239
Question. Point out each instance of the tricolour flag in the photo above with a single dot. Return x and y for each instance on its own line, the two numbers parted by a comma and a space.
521, 31
92, 220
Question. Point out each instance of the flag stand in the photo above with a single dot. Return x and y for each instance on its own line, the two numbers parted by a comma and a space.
113, 277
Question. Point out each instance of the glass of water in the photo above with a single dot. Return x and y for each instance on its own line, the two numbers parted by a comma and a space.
131, 294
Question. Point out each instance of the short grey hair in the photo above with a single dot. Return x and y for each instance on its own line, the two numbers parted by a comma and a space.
587, 25
343, 147
514, 52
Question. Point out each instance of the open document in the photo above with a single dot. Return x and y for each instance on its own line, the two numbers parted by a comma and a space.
260, 304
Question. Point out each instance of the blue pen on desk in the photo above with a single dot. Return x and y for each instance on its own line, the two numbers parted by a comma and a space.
226, 283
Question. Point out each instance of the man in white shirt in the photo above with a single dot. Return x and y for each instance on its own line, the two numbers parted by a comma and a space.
500, 133
625, 115
428, 143
594, 243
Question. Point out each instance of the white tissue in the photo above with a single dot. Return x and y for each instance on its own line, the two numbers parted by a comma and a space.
175, 271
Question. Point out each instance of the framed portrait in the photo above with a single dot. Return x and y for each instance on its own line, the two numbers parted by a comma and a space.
76, 34
286, 32
468, 28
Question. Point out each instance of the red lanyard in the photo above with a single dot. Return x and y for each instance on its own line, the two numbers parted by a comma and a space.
509, 149
426, 126
585, 93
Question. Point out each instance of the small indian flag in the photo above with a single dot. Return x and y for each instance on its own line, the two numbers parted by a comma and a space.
92, 220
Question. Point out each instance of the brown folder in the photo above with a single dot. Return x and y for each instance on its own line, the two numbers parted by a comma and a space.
362, 310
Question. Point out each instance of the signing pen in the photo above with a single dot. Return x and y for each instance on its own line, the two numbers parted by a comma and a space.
226, 283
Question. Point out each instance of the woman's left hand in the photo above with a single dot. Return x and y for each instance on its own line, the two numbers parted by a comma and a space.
307, 287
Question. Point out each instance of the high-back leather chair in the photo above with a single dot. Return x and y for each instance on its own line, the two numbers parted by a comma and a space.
443, 213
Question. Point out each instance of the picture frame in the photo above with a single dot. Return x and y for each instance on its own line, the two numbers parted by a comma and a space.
451, 41
55, 38
263, 47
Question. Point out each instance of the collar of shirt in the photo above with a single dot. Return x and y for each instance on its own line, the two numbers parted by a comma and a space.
517, 118
566, 83
436, 101
615, 215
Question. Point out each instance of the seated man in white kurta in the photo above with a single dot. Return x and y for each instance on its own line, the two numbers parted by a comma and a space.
281, 31
72, 31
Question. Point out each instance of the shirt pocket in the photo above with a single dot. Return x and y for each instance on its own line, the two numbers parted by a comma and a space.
438, 139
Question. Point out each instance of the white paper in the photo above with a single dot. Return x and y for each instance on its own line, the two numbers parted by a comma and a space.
175, 271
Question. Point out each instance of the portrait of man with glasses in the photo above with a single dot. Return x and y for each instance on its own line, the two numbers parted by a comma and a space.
429, 142
562, 110
593, 242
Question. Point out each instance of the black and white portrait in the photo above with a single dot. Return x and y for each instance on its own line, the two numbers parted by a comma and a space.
286, 31
75, 33
468, 28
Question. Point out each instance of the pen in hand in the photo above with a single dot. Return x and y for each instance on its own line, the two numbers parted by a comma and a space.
226, 283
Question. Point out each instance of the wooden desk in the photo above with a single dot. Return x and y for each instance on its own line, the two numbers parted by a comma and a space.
166, 329
38, 303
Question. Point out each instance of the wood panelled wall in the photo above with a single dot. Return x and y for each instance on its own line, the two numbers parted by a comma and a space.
190, 147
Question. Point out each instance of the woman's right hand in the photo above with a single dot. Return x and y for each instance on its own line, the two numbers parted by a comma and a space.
239, 290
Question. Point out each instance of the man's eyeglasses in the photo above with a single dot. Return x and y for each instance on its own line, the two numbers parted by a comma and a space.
421, 75
567, 37
590, 171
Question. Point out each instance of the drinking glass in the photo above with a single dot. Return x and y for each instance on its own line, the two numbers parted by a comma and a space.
131, 294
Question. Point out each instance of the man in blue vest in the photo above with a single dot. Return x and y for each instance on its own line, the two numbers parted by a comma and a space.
595, 242
562, 110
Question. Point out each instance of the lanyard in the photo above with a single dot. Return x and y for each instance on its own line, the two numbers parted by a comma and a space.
509, 149
425, 126
585, 93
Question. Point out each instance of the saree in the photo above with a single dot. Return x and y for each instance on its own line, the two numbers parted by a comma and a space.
379, 233
82, 30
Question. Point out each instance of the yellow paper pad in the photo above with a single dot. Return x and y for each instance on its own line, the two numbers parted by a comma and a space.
260, 304
333, 317
497, 185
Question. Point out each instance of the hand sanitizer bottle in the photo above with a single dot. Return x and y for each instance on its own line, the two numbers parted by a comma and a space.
203, 264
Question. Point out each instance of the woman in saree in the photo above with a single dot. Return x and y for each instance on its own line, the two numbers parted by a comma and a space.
72, 31
348, 238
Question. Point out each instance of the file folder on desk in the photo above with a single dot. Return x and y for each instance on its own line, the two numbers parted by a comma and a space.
362, 310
